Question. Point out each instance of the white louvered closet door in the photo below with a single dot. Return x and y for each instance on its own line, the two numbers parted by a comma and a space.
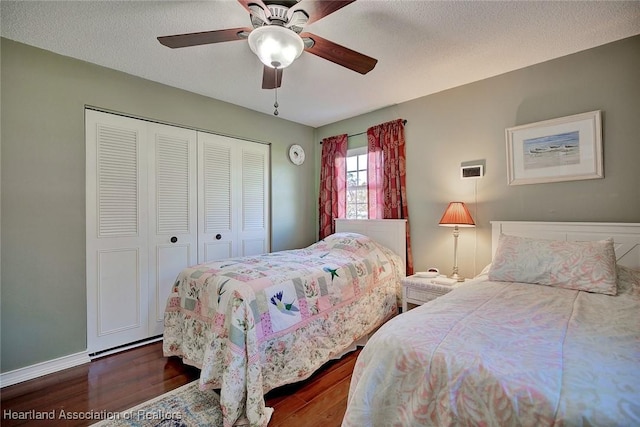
253, 230
233, 199
216, 190
173, 226
161, 198
116, 180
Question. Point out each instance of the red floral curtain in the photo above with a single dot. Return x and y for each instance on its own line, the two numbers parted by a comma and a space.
387, 179
333, 185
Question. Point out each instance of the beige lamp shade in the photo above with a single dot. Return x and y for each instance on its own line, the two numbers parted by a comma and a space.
457, 214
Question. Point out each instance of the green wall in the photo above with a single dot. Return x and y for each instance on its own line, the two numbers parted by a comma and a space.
43, 97
468, 123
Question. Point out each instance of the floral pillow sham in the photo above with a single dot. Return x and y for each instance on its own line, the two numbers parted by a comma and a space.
584, 266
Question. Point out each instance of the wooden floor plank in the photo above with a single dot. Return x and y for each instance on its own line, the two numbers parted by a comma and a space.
332, 416
316, 409
285, 408
327, 380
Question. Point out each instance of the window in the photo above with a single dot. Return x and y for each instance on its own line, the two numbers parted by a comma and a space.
357, 201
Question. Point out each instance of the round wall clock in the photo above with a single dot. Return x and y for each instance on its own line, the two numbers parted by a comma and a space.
296, 154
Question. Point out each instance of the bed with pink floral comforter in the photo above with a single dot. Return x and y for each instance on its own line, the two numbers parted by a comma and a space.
255, 323
505, 354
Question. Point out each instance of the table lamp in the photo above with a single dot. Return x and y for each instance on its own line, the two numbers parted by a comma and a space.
456, 215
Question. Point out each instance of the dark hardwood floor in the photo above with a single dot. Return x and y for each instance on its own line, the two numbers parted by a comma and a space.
118, 382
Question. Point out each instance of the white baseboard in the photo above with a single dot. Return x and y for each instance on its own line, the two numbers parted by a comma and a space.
43, 368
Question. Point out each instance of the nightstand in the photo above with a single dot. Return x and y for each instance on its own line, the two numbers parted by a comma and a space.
418, 290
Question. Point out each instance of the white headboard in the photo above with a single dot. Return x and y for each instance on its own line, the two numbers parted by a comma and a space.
626, 236
388, 232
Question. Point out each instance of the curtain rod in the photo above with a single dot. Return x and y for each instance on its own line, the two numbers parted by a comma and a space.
404, 122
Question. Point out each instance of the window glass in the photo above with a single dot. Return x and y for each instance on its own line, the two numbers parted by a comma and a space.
357, 184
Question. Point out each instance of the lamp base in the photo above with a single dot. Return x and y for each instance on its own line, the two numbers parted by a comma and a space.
454, 274
456, 277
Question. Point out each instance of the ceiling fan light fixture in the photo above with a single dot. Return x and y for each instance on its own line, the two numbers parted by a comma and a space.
276, 46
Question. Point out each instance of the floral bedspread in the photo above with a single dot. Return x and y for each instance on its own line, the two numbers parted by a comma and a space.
255, 323
505, 354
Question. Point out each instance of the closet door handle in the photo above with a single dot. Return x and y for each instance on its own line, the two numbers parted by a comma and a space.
218, 236
174, 239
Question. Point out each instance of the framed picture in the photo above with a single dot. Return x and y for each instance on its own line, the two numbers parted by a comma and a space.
564, 149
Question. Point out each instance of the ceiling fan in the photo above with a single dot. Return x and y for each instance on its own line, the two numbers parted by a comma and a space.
277, 37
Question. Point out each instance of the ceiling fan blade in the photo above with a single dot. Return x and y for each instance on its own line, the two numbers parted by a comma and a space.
318, 9
205, 37
339, 54
269, 78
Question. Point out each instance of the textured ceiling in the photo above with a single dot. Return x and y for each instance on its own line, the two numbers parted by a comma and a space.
422, 47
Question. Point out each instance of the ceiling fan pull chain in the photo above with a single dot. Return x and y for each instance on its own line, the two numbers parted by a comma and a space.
275, 104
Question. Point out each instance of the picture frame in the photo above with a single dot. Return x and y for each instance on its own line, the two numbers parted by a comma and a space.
563, 149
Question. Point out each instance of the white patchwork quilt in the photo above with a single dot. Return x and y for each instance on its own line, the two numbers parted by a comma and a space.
255, 323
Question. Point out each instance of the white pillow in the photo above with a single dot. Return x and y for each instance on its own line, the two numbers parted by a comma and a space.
584, 266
